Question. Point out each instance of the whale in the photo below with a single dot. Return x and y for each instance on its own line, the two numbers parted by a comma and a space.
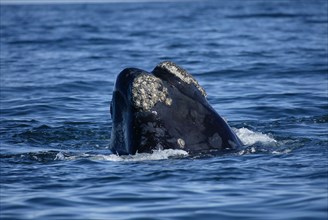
165, 109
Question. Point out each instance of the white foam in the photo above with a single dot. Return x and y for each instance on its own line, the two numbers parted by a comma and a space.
156, 155
286, 151
249, 137
60, 156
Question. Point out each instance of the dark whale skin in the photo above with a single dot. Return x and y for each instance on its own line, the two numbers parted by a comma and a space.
165, 109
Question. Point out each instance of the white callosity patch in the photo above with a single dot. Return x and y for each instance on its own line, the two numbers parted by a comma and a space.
181, 142
147, 90
181, 74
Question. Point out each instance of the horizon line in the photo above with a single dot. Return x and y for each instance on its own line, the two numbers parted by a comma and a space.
35, 2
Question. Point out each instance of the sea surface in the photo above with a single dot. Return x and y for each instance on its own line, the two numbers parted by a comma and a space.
263, 64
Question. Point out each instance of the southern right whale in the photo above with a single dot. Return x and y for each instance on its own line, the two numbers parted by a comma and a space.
165, 109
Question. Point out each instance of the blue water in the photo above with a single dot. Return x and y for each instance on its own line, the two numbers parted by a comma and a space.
264, 65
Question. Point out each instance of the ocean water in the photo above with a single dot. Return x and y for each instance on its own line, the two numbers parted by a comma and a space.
264, 65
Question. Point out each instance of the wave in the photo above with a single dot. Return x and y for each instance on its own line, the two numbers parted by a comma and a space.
255, 142
268, 15
248, 137
155, 155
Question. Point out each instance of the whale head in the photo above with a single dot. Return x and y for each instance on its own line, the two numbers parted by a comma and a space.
165, 109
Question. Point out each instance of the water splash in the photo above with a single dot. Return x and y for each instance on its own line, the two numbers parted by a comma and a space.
155, 155
249, 137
